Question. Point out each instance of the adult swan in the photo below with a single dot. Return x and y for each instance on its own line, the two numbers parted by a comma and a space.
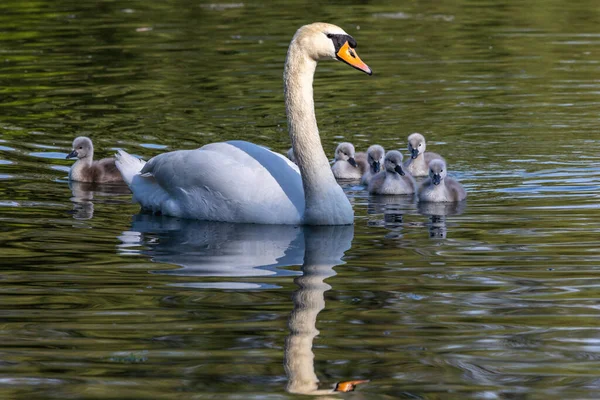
242, 182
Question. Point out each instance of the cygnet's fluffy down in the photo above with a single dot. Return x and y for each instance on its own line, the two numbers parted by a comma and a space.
345, 166
418, 163
393, 180
439, 187
290, 154
86, 169
375, 160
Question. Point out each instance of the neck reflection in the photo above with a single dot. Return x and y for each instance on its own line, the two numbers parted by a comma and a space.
324, 249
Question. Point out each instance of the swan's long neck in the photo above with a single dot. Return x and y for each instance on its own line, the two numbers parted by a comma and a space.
326, 203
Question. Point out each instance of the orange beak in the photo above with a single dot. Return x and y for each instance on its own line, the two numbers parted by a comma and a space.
348, 386
348, 55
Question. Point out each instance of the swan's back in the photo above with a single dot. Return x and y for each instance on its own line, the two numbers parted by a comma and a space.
233, 181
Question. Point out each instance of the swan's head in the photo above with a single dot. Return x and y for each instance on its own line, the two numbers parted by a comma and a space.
437, 171
82, 147
345, 152
416, 145
375, 155
393, 162
321, 41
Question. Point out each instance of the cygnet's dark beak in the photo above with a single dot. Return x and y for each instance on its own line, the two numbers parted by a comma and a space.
348, 386
398, 169
436, 179
376, 166
352, 161
414, 153
72, 154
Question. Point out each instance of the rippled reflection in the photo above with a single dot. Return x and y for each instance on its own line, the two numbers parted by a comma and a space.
324, 249
213, 249
393, 209
84, 194
437, 213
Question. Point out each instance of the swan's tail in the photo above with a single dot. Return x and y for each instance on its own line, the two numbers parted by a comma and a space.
128, 165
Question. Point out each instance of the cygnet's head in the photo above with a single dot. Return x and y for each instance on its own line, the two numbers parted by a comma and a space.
345, 152
82, 148
393, 162
376, 155
437, 171
416, 145
321, 41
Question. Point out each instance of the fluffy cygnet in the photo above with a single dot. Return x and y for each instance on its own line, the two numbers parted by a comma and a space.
345, 166
290, 154
393, 180
418, 164
86, 169
439, 187
375, 158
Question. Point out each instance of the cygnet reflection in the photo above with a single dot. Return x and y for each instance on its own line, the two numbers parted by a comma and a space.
84, 194
324, 249
437, 213
393, 208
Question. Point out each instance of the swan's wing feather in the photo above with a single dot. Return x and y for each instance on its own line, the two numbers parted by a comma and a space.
233, 181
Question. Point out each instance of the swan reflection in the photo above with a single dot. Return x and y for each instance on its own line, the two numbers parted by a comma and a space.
84, 194
437, 213
214, 249
324, 249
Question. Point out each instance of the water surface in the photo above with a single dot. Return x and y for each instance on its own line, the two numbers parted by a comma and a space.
494, 299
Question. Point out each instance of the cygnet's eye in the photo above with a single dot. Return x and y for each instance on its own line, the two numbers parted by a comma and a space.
80, 147
420, 144
442, 171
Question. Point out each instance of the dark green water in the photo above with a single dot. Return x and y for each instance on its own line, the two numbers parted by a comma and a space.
497, 300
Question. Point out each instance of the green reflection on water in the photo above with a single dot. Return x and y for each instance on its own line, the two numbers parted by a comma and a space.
496, 300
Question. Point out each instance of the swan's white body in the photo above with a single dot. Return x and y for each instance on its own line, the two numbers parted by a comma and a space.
231, 181
246, 183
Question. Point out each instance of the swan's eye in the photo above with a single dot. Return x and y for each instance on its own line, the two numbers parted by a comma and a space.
329, 35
